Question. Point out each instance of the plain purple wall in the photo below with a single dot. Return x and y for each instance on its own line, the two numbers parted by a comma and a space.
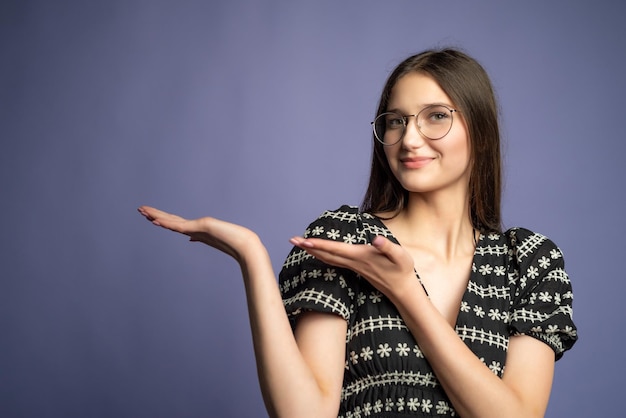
258, 112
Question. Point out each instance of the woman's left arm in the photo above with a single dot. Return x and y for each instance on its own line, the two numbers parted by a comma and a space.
473, 389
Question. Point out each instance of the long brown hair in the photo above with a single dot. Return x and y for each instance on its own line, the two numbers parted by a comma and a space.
466, 82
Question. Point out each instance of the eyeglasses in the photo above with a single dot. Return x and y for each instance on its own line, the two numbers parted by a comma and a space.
433, 122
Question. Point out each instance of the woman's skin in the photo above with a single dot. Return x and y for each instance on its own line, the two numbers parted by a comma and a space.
301, 373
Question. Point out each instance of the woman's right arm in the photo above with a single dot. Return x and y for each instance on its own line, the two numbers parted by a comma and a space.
300, 373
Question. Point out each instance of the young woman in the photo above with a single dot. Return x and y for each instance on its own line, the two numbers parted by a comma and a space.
415, 304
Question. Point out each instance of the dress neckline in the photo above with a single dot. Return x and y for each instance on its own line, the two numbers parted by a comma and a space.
478, 243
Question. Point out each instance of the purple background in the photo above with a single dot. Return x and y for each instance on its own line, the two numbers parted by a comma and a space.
258, 112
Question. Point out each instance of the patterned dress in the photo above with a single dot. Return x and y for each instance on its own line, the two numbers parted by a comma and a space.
517, 286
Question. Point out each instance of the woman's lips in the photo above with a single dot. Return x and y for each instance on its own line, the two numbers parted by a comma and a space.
415, 162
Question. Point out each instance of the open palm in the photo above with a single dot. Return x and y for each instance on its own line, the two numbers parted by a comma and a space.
227, 237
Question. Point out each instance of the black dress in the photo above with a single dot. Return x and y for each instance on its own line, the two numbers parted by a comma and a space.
517, 286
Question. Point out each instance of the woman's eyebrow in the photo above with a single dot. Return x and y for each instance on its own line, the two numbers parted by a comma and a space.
422, 107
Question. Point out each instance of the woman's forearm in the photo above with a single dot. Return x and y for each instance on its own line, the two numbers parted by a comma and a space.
296, 381
289, 386
472, 388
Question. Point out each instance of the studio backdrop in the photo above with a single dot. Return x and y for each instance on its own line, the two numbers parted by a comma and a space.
258, 112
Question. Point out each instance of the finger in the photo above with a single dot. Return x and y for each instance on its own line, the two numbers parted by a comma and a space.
330, 258
162, 219
154, 213
148, 215
381, 244
390, 250
335, 253
320, 244
301, 242
145, 211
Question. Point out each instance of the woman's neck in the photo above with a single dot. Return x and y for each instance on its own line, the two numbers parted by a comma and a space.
438, 222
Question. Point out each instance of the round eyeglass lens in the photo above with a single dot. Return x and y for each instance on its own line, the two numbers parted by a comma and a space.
389, 127
433, 122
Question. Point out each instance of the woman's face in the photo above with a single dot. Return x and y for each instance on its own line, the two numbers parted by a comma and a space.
420, 164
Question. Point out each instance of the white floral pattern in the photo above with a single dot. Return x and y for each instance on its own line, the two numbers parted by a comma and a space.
517, 286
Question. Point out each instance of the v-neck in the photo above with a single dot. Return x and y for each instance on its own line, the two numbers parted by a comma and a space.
388, 234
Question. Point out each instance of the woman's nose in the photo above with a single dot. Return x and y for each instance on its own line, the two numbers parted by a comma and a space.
412, 136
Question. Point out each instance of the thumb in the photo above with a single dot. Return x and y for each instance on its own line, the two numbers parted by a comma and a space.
383, 245
394, 252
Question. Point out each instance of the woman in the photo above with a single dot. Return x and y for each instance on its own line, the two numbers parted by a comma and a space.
416, 304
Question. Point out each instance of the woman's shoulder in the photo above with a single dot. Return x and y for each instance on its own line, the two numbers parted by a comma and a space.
521, 247
532, 256
541, 290
343, 212
346, 223
344, 215
525, 242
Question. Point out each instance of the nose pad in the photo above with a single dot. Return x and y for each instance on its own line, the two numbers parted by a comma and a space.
413, 138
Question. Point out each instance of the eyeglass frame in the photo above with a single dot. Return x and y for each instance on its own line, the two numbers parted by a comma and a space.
405, 123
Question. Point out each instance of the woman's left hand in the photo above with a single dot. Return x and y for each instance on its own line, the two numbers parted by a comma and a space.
387, 266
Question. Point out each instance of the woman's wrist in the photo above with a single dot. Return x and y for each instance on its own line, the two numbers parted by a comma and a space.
251, 250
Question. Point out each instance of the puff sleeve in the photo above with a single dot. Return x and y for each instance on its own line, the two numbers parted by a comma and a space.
308, 284
541, 304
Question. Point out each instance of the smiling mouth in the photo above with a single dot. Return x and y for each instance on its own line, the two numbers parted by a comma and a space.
415, 162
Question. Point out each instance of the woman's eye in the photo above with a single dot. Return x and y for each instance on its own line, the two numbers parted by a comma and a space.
438, 116
395, 123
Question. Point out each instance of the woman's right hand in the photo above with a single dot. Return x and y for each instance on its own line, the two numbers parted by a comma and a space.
227, 237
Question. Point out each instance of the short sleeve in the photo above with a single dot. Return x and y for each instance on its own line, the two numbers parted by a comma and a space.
308, 284
542, 296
